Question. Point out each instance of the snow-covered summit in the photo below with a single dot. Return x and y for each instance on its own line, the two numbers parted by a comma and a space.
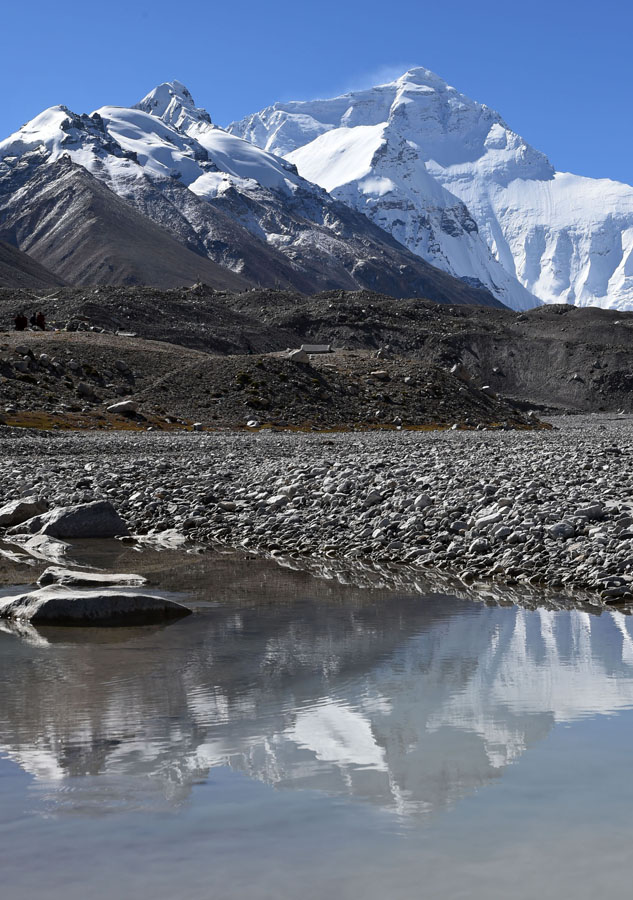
386, 150
165, 134
58, 131
365, 148
454, 128
173, 103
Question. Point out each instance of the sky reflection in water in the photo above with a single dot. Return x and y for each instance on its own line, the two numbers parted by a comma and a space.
427, 746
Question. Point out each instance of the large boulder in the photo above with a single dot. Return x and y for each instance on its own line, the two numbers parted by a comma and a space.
298, 356
123, 408
70, 578
60, 605
86, 520
17, 511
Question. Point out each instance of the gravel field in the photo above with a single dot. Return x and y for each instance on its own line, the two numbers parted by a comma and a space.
550, 509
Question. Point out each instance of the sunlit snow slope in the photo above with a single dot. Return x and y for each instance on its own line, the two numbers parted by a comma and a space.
449, 179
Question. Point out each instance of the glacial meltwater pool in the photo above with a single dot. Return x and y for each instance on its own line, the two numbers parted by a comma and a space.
297, 739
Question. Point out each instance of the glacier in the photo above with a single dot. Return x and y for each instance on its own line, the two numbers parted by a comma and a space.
448, 178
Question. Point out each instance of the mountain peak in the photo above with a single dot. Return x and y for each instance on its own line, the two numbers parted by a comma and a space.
172, 102
422, 77
164, 94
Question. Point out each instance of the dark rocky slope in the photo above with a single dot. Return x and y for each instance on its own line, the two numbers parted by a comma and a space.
160, 233
71, 378
19, 270
76, 227
558, 357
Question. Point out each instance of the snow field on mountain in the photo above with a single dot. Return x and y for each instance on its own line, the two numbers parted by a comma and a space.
384, 177
557, 237
160, 150
571, 238
44, 129
340, 156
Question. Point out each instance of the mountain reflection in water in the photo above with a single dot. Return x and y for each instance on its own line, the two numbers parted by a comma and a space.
408, 702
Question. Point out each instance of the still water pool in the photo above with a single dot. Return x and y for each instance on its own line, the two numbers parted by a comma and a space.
298, 738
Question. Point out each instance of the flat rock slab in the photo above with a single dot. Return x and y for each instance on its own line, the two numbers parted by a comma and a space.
70, 578
85, 520
60, 605
18, 558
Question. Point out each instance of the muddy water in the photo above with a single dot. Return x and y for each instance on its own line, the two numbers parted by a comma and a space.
301, 738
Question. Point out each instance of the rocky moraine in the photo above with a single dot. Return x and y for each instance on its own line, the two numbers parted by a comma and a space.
548, 508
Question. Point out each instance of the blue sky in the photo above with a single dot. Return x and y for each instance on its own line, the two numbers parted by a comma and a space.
558, 71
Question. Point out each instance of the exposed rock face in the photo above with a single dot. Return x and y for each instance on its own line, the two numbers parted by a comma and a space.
451, 180
85, 520
59, 605
98, 237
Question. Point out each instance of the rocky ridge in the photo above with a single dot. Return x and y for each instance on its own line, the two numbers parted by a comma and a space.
552, 357
87, 379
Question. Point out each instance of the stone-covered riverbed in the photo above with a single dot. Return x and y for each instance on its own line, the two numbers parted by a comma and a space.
551, 509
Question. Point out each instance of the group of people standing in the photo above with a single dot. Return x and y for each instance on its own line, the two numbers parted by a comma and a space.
37, 320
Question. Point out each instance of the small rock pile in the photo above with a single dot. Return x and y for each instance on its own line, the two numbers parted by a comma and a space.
31, 378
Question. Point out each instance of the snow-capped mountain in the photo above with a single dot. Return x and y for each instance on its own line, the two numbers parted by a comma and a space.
220, 196
451, 180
